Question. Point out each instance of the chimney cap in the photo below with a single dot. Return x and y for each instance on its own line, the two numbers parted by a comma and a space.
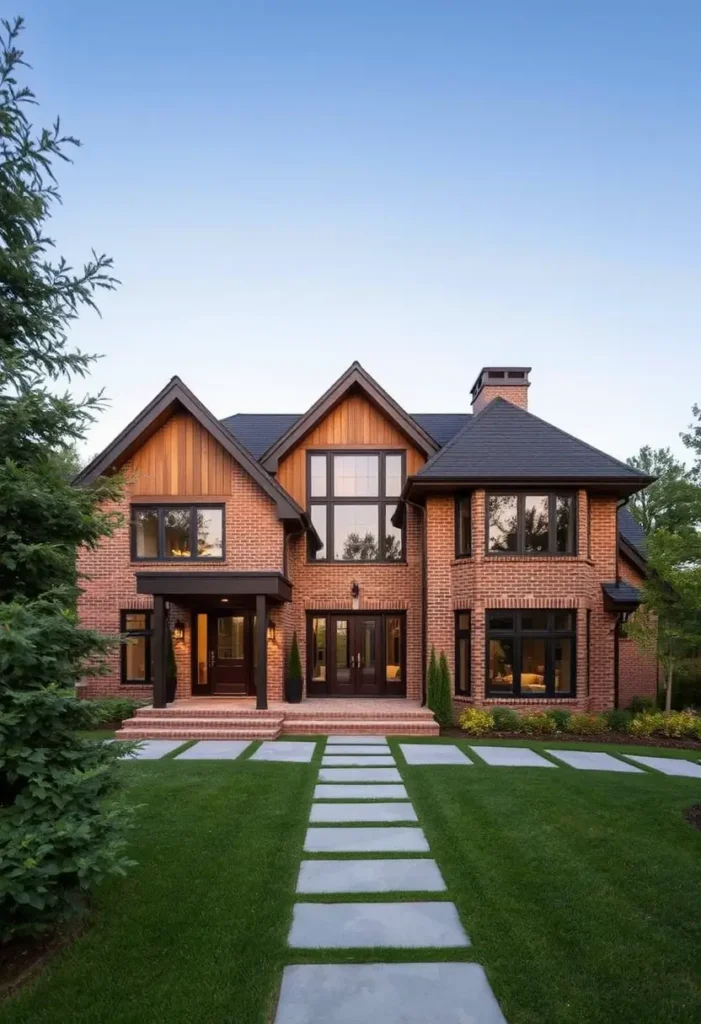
502, 376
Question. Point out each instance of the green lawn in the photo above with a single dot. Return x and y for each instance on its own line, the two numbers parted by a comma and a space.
581, 893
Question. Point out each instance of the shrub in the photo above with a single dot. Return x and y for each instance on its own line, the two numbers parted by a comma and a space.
561, 718
113, 709
680, 723
506, 720
433, 684
618, 721
647, 723
538, 724
476, 721
443, 711
642, 705
587, 725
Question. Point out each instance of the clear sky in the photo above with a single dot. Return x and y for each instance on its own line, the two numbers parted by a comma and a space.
428, 187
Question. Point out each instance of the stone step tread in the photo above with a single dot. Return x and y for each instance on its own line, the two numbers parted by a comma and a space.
372, 925
146, 733
405, 874
213, 712
197, 721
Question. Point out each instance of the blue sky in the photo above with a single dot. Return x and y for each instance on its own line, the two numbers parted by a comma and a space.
425, 187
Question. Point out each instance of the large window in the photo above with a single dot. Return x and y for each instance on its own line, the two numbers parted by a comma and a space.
352, 498
136, 647
175, 533
531, 653
462, 654
531, 524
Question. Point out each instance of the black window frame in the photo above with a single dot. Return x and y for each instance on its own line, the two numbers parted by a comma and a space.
521, 495
462, 633
147, 633
161, 509
460, 500
381, 500
516, 635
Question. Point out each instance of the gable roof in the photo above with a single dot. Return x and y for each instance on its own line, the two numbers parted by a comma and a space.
504, 443
355, 378
258, 431
175, 395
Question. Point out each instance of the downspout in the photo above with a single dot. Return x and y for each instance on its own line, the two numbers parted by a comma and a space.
424, 594
617, 629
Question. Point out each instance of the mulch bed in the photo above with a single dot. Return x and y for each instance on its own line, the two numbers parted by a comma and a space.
22, 958
693, 816
620, 738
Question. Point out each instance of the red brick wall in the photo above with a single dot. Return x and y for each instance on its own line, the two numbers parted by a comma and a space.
482, 581
327, 587
637, 671
254, 541
517, 394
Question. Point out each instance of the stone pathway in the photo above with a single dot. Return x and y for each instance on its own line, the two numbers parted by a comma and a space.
407, 993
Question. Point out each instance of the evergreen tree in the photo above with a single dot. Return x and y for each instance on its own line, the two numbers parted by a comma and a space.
433, 682
294, 663
444, 705
57, 835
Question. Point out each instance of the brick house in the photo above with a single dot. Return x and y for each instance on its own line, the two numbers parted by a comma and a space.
374, 534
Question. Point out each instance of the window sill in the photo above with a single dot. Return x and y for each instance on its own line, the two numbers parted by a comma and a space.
532, 698
347, 565
515, 556
136, 682
178, 561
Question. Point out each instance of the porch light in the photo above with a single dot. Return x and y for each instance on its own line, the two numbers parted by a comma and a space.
179, 631
355, 588
271, 631
224, 600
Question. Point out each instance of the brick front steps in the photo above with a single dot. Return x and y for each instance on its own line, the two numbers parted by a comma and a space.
244, 722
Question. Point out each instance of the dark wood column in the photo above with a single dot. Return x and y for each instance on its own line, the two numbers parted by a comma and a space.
262, 644
158, 641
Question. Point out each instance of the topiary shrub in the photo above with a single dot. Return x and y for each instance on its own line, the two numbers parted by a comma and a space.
617, 720
293, 676
587, 725
443, 710
433, 682
538, 723
476, 721
506, 720
562, 719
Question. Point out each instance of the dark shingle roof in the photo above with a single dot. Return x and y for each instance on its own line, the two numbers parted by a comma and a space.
631, 531
504, 442
621, 593
259, 431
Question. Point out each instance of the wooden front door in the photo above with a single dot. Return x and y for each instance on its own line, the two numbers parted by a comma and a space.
354, 663
229, 649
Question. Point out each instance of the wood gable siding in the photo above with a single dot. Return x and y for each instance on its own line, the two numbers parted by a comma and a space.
354, 423
181, 459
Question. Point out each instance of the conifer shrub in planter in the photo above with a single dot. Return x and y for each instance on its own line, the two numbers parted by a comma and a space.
293, 676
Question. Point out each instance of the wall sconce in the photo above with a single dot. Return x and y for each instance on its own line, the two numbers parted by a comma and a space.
355, 589
179, 631
271, 631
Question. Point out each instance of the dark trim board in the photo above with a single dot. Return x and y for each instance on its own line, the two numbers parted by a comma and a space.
272, 585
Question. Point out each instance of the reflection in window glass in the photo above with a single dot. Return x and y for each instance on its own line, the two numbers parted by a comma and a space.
463, 674
564, 519
342, 653
356, 476
210, 531
355, 530
317, 476
532, 665
501, 666
563, 620
230, 637
136, 659
202, 649
319, 650
464, 620
393, 537
534, 620
464, 539
177, 533
318, 517
393, 476
146, 533
501, 620
393, 648
503, 522
136, 648
536, 522
563, 665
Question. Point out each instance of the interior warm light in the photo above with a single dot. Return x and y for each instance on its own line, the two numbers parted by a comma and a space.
271, 631
225, 600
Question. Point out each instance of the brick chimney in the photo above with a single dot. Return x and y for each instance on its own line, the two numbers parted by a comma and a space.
508, 382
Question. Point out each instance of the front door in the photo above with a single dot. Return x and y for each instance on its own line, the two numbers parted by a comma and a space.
229, 650
354, 655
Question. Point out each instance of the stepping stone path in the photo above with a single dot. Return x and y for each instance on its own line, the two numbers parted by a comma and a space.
591, 761
406, 993
214, 750
668, 765
279, 750
152, 750
519, 757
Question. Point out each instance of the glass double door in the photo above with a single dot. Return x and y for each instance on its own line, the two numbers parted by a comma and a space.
354, 662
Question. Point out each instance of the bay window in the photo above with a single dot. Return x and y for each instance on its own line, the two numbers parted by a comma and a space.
531, 524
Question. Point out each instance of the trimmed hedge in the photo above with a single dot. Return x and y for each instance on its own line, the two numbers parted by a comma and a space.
677, 725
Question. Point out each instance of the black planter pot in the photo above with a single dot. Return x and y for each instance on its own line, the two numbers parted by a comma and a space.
293, 690
170, 690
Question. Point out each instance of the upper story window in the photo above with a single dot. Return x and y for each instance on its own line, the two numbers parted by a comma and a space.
352, 497
174, 533
463, 525
531, 524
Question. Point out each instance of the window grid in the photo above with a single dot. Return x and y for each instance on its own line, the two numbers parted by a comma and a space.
131, 634
165, 519
556, 630
390, 540
463, 654
554, 500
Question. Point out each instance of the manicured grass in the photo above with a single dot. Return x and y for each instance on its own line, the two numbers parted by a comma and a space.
581, 891
197, 931
96, 734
